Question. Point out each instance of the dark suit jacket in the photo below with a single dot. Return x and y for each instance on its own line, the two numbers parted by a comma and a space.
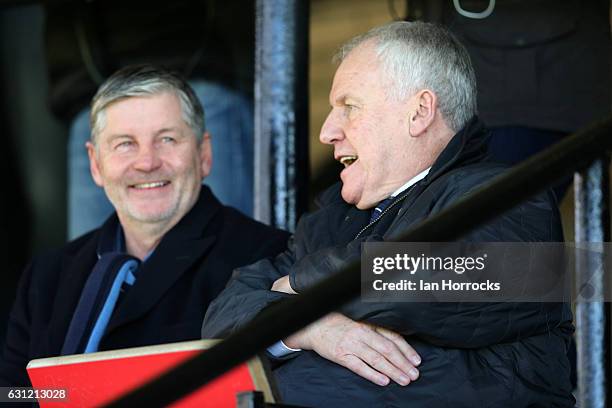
167, 303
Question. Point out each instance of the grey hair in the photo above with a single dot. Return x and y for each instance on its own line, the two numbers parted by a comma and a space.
145, 80
418, 55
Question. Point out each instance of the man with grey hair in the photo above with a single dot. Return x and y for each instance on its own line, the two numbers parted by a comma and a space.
403, 122
147, 275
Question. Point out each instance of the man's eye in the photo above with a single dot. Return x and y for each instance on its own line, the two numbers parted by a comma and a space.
168, 139
348, 109
124, 145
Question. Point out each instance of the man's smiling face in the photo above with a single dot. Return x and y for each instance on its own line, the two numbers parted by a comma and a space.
148, 160
369, 130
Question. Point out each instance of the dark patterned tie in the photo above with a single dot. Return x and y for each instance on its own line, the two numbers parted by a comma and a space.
378, 210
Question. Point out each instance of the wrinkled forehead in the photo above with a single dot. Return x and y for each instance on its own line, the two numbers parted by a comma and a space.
360, 70
143, 114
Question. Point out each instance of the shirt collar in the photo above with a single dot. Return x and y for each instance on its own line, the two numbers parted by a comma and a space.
411, 182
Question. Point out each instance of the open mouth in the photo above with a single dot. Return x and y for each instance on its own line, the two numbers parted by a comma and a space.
348, 160
154, 184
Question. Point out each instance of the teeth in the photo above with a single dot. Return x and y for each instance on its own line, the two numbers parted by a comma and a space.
348, 160
151, 185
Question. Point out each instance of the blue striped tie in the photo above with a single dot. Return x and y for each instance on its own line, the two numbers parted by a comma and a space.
97, 302
378, 210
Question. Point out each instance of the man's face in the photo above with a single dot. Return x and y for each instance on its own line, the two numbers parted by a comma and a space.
148, 160
369, 130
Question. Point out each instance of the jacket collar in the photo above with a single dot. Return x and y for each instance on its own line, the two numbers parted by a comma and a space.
178, 250
75, 269
183, 245
469, 145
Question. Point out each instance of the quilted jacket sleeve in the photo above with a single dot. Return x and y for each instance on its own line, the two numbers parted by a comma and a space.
463, 325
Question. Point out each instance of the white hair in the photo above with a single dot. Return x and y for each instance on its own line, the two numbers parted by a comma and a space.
418, 55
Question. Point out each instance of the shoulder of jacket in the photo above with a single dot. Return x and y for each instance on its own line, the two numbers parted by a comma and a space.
70, 248
234, 217
468, 177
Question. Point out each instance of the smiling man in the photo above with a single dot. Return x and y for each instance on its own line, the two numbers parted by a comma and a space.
403, 122
147, 275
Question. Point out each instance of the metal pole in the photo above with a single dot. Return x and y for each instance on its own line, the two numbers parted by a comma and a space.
281, 115
592, 225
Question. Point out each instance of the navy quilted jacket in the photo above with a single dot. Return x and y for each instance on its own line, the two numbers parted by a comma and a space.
474, 354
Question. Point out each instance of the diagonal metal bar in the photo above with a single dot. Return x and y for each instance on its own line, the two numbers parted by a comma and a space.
572, 154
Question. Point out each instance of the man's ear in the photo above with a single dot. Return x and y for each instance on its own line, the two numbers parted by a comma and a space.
423, 113
205, 155
94, 166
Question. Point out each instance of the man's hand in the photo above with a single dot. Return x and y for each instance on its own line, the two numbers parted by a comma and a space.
283, 285
376, 354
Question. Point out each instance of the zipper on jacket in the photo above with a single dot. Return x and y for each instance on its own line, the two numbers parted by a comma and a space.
386, 210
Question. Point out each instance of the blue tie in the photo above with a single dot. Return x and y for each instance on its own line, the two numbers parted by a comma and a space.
97, 302
378, 210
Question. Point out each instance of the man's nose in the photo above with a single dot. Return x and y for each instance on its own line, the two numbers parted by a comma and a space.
148, 159
331, 131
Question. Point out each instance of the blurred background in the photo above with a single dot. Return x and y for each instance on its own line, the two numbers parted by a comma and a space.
550, 57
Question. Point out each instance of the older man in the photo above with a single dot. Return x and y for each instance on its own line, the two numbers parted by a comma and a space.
403, 124
148, 274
